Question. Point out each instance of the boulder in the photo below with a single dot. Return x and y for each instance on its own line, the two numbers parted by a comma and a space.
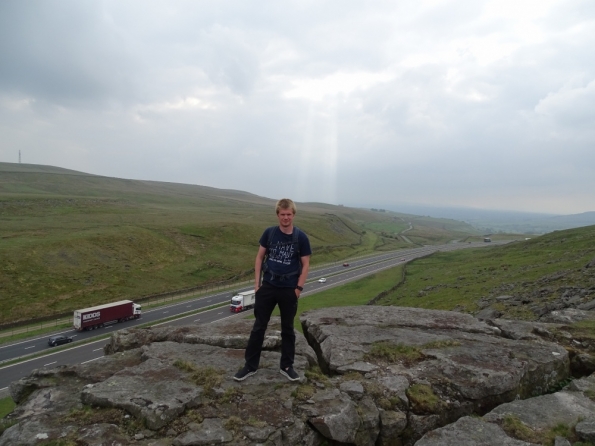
587, 306
564, 407
451, 364
524, 330
218, 334
568, 316
210, 431
488, 313
585, 430
532, 419
470, 431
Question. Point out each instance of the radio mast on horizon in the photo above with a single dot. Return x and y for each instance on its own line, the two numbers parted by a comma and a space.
19, 157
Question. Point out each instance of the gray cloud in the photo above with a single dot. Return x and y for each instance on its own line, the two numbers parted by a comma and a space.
468, 103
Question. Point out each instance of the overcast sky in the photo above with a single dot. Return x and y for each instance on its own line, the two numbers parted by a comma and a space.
475, 103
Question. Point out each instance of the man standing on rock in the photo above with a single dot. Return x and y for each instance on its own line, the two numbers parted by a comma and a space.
283, 259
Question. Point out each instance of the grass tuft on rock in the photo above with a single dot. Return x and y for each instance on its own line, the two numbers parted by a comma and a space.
303, 392
393, 352
206, 377
230, 395
423, 399
315, 374
233, 424
514, 427
87, 415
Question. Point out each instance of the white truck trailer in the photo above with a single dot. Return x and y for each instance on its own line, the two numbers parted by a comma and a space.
242, 301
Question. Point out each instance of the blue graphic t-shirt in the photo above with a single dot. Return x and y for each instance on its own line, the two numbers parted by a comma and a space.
282, 257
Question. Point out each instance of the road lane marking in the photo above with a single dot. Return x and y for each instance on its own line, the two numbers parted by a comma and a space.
52, 353
50, 363
97, 349
91, 360
27, 348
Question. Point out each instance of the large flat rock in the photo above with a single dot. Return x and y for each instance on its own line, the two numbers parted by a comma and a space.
224, 334
464, 366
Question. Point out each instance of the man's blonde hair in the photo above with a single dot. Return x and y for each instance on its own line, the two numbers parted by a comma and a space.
285, 203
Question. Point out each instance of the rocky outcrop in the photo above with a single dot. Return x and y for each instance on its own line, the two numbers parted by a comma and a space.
370, 376
436, 366
538, 420
541, 297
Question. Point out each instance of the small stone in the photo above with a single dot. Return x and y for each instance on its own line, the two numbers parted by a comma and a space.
501, 298
586, 430
561, 441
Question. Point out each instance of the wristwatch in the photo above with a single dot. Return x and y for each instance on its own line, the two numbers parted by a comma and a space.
299, 288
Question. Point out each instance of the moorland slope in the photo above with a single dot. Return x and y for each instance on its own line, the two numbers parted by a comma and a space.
70, 239
525, 280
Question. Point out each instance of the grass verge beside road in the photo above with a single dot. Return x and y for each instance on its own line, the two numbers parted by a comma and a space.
359, 292
6, 406
29, 332
538, 270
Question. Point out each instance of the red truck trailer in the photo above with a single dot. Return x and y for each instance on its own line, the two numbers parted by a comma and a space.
96, 317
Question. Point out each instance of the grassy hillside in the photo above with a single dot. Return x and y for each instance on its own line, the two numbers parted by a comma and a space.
538, 270
71, 239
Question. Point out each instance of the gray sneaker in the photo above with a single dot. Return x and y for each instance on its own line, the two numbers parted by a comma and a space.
290, 374
244, 373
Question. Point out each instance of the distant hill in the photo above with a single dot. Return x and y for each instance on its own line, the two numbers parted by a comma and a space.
70, 239
574, 220
38, 168
490, 221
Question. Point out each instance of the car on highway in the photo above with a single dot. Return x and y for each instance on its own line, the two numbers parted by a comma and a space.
346, 264
59, 340
322, 280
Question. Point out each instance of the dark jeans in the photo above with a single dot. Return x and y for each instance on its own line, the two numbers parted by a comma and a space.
267, 297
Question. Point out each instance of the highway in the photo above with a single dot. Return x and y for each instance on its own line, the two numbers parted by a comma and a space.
84, 349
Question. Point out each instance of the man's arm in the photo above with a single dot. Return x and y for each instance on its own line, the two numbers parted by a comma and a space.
304, 275
258, 265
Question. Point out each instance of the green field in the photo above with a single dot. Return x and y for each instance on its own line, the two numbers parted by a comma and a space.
7, 405
548, 265
71, 240
355, 293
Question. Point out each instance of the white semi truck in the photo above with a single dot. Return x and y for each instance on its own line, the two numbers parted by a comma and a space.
242, 301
